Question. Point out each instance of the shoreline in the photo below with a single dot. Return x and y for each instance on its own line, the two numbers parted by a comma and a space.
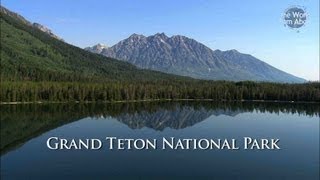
154, 100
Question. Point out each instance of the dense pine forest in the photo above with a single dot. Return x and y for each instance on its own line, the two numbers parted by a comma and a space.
37, 67
122, 91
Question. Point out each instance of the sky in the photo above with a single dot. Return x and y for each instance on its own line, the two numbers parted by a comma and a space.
249, 26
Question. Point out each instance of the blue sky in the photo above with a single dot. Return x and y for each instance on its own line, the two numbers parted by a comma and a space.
250, 26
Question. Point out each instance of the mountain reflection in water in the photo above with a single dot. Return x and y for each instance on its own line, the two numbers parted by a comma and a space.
20, 123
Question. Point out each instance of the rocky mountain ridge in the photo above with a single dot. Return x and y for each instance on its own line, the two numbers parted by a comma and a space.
185, 56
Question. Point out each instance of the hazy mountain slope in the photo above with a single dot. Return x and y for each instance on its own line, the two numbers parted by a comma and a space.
96, 48
184, 56
256, 67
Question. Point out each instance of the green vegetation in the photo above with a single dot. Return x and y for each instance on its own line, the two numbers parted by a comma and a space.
37, 67
120, 91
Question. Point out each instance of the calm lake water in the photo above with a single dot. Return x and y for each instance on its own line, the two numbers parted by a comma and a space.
26, 128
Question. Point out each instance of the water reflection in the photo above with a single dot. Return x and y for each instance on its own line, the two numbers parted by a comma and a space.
20, 123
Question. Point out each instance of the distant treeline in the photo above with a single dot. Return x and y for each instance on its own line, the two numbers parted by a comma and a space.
28, 91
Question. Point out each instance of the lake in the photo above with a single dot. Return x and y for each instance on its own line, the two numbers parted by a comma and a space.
25, 129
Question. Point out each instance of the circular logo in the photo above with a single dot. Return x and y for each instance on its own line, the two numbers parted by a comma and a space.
295, 17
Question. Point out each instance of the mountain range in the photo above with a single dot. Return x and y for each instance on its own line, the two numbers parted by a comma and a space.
32, 52
184, 56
